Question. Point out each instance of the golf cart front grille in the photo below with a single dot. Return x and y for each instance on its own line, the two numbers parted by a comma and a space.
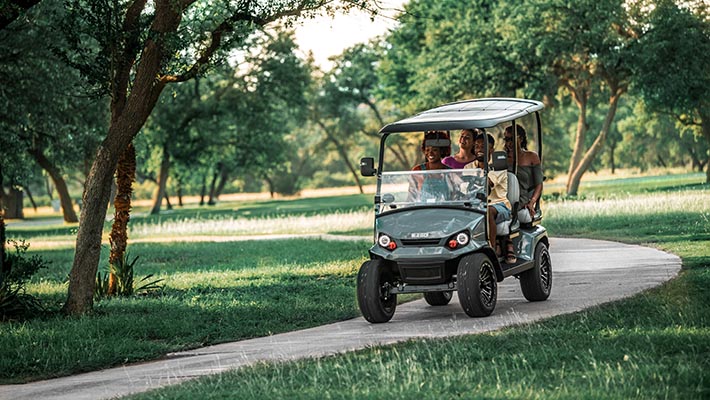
422, 273
421, 242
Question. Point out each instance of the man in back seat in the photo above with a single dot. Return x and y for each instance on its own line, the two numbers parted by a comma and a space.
498, 204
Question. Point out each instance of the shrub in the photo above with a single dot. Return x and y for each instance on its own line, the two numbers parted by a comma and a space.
17, 268
123, 272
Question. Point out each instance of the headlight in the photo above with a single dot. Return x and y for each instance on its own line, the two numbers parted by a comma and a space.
386, 242
458, 240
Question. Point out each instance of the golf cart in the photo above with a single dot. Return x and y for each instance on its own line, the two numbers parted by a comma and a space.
436, 243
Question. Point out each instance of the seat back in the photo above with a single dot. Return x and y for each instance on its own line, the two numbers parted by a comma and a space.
514, 199
500, 161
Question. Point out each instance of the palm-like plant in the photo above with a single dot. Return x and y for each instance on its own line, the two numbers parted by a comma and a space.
118, 238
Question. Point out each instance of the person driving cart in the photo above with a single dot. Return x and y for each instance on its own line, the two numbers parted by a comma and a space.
435, 146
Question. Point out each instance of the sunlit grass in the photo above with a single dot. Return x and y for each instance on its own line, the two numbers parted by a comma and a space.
653, 345
628, 204
297, 224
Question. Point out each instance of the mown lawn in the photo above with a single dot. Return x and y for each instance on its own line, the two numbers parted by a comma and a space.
655, 345
651, 346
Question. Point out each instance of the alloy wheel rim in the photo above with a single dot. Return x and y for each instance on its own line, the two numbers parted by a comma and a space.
487, 284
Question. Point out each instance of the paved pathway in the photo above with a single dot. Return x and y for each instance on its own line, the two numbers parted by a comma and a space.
585, 273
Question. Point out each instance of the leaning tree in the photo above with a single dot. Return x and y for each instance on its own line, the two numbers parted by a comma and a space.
132, 50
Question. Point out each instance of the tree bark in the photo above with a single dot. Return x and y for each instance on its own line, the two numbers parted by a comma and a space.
203, 190
126, 121
3, 239
343, 155
179, 193
168, 205
270, 183
29, 196
59, 183
580, 100
118, 238
212, 200
705, 126
13, 204
48, 188
586, 161
223, 178
162, 180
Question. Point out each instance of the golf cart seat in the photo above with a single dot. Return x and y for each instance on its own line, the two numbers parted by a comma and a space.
500, 163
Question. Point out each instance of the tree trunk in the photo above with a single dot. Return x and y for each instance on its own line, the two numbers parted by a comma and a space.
118, 238
13, 204
223, 178
203, 190
59, 183
612, 147
343, 155
123, 128
213, 185
29, 196
705, 126
168, 205
3, 239
271, 186
178, 192
48, 188
661, 163
580, 137
586, 161
162, 180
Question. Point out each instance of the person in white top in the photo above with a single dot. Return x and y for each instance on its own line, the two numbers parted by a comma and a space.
498, 204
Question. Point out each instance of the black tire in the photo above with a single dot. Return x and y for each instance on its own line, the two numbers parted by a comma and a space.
477, 285
536, 283
438, 298
373, 298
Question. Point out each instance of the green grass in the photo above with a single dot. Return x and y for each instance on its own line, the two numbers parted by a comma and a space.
654, 345
214, 292
632, 185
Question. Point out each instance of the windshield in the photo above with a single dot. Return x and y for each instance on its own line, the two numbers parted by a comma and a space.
450, 187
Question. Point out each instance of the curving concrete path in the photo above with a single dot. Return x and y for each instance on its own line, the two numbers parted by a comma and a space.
585, 273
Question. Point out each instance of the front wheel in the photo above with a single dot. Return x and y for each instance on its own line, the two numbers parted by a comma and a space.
477, 285
438, 298
536, 283
373, 297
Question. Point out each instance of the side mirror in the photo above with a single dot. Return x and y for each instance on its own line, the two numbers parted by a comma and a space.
367, 166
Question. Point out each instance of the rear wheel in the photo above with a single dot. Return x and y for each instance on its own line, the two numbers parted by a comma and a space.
477, 285
438, 298
536, 283
373, 285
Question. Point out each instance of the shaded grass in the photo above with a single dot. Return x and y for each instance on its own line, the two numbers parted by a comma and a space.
214, 292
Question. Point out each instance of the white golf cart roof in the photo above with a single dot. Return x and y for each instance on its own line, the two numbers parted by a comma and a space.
467, 114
